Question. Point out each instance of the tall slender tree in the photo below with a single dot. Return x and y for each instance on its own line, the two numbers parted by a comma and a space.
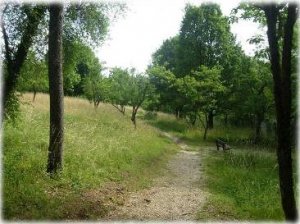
281, 70
55, 89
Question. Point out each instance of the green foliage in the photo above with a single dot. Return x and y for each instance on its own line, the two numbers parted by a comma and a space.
167, 54
34, 75
167, 98
139, 89
200, 90
128, 88
79, 59
120, 86
204, 37
96, 86
88, 22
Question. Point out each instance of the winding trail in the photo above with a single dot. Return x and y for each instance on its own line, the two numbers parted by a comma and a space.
175, 195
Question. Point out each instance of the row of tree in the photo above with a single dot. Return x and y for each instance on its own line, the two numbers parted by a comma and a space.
209, 75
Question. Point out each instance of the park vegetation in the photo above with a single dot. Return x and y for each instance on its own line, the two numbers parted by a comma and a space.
201, 76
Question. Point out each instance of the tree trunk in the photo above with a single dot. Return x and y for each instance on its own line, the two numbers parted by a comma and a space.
123, 110
282, 92
34, 95
210, 120
55, 89
133, 115
205, 127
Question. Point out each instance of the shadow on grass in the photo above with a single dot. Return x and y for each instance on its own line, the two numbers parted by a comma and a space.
169, 125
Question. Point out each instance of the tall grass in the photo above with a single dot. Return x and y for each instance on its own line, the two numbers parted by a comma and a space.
243, 185
101, 146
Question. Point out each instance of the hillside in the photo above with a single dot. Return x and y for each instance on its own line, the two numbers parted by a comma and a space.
103, 157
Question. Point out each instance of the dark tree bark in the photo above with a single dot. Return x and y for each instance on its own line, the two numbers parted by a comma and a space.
210, 120
282, 91
15, 60
34, 95
133, 115
206, 126
55, 89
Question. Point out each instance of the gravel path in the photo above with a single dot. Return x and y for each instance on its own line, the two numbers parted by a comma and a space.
175, 195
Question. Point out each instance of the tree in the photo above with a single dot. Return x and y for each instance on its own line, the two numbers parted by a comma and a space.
281, 70
55, 89
167, 55
204, 39
168, 97
78, 62
24, 31
280, 20
120, 88
24, 27
200, 93
139, 90
33, 76
96, 89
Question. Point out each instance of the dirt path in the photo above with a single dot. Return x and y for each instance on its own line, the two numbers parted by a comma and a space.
175, 195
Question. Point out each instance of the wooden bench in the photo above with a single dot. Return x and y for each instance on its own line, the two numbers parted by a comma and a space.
224, 145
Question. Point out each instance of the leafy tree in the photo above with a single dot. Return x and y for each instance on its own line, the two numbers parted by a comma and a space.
33, 76
139, 91
120, 88
252, 96
204, 39
24, 26
168, 98
78, 60
19, 26
167, 54
96, 88
200, 93
56, 89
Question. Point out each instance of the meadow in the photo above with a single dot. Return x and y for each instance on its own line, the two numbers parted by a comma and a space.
103, 155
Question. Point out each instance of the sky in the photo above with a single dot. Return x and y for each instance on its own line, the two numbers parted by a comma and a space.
134, 37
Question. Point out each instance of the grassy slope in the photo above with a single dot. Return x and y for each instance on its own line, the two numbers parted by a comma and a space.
243, 183
101, 147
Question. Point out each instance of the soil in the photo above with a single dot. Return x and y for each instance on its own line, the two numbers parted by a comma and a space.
175, 195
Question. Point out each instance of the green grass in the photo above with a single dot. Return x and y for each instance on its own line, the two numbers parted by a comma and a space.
193, 135
243, 186
242, 183
101, 150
